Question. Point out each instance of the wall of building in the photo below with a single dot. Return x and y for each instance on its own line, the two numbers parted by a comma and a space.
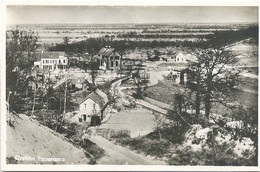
52, 64
87, 108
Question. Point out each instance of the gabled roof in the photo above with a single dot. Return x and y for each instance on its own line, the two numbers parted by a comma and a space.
99, 97
106, 51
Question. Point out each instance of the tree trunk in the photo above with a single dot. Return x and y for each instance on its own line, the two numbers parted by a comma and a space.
33, 101
207, 110
198, 99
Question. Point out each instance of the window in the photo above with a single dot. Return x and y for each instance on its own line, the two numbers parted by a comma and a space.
116, 63
59, 61
112, 63
64, 61
43, 61
85, 105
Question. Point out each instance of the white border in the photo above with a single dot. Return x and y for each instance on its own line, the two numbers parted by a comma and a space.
6, 167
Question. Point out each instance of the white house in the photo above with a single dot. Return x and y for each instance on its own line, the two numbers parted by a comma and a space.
92, 106
185, 57
52, 61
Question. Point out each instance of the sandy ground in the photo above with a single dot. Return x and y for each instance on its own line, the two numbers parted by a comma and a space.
29, 138
138, 121
118, 155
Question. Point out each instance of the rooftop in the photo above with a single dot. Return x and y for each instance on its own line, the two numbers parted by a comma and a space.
99, 97
106, 51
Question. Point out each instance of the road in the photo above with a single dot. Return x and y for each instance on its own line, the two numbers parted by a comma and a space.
115, 87
118, 155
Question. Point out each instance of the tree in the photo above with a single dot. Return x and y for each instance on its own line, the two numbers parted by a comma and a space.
216, 77
66, 40
93, 67
141, 80
195, 84
20, 55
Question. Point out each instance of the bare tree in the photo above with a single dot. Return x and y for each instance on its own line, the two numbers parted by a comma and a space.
20, 55
141, 80
215, 76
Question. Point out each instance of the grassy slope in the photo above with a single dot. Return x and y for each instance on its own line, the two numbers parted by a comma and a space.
29, 138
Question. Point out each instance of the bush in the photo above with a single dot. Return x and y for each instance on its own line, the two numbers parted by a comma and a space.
123, 134
150, 147
72, 129
92, 150
11, 160
172, 134
213, 146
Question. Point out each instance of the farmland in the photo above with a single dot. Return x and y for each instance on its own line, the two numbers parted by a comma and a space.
54, 33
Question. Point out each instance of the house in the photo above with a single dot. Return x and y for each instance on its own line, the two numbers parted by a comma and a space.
185, 57
108, 58
93, 107
51, 61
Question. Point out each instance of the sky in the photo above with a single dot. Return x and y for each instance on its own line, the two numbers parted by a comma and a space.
129, 14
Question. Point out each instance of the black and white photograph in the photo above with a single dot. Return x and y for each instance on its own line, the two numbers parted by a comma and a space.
164, 86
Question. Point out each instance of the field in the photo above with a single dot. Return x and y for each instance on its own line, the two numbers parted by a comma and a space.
54, 33
164, 91
247, 53
138, 121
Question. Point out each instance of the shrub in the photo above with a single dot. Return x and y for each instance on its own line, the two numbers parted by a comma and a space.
150, 147
11, 160
92, 150
123, 134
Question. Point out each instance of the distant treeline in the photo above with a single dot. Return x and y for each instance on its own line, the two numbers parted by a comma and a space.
158, 35
218, 39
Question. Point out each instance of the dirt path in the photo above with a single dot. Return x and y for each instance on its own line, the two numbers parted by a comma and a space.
118, 155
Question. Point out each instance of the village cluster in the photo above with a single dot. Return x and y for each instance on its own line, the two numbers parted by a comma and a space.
54, 68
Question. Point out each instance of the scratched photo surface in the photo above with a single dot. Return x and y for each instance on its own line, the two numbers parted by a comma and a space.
132, 85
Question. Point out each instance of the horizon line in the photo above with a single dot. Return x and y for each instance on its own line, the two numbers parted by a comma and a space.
156, 23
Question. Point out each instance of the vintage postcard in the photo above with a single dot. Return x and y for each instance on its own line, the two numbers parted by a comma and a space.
129, 87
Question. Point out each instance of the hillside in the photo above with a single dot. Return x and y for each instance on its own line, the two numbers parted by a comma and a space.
37, 144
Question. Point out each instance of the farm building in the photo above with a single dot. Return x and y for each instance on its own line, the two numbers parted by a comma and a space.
93, 107
167, 58
108, 58
154, 58
51, 61
78, 83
